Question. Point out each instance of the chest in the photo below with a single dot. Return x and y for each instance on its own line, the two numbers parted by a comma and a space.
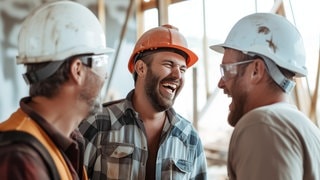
153, 133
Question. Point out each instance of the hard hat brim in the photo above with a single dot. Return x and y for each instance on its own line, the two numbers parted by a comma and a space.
218, 47
192, 57
62, 56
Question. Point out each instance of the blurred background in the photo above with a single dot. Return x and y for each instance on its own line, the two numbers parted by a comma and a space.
203, 22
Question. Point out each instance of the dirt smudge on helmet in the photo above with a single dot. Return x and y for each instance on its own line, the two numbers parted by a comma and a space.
272, 45
264, 30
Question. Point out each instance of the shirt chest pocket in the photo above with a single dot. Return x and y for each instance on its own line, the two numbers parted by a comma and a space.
118, 150
117, 160
176, 169
183, 165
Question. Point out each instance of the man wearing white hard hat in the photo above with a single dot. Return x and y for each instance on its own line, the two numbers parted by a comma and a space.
62, 45
272, 139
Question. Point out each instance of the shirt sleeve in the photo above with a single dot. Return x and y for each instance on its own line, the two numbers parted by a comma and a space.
20, 162
200, 163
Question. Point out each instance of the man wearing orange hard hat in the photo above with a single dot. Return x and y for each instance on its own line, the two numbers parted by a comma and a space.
141, 136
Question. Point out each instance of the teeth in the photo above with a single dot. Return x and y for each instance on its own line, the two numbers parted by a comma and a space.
172, 86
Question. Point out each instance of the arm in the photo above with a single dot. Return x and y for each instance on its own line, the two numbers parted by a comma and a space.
200, 163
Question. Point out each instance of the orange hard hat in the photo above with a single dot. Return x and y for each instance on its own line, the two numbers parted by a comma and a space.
165, 36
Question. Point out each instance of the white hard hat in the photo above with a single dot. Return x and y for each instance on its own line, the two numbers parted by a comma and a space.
58, 30
271, 36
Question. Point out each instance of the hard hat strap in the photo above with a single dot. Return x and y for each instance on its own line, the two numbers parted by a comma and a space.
285, 83
43, 73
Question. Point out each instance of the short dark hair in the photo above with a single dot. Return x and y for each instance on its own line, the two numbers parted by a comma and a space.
49, 87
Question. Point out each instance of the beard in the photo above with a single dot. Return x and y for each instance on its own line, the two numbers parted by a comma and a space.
96, 106
158, 101
239, 97
91, 94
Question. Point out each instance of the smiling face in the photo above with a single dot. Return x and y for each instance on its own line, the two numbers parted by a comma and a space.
164, 79
235, 86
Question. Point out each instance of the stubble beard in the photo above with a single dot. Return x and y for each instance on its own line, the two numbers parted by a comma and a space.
94, 102
159, 102
96, 106
238, 99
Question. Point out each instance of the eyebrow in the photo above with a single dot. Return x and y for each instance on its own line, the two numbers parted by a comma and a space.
172, 62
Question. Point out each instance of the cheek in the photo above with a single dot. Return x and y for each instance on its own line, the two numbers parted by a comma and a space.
182, 81
239, 87
161, 71
101, 71
96, 81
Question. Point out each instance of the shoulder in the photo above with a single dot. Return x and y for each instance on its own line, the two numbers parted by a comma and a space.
184, 130
271, 124
180, 122
281, 116
102, 122
112, 103
116, 108
21, 156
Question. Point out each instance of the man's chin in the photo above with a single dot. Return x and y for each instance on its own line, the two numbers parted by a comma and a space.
231, 120
96, 108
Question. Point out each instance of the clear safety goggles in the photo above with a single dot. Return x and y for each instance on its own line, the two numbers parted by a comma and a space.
97, 63
229, 71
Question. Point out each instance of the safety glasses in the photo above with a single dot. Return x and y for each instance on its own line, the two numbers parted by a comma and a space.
97, 63
229, 71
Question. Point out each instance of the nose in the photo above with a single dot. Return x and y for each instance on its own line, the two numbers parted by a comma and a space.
221, 83
176, 72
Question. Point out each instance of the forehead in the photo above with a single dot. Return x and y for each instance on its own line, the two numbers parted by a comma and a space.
231, 56
169, 56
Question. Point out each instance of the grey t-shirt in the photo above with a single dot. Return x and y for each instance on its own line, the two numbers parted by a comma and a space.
275, 142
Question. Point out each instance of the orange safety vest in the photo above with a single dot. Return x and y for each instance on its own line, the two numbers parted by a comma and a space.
20, 121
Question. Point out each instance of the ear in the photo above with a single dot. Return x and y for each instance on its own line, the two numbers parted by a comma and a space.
76, 71
258, 71
140, 67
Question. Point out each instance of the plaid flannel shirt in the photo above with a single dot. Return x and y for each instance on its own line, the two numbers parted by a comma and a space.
116, 146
